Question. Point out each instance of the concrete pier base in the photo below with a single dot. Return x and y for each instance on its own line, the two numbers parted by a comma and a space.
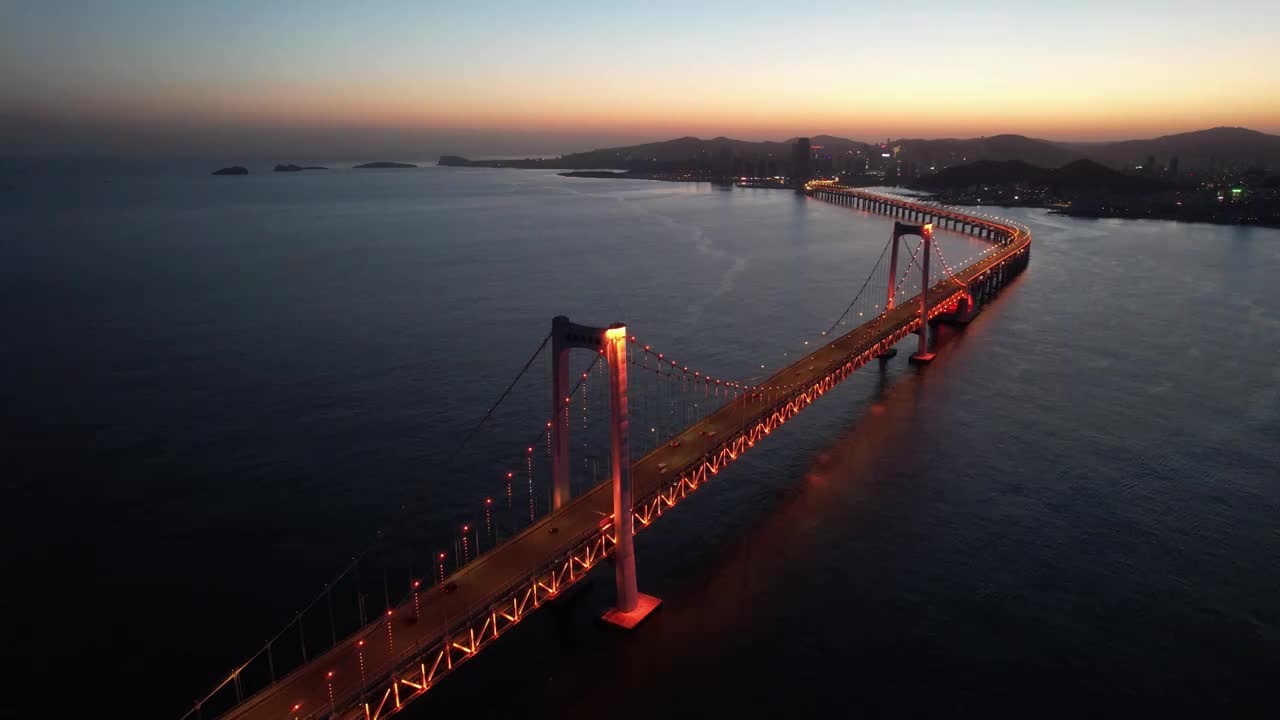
645, 604
963, 316
960, 318
922, 358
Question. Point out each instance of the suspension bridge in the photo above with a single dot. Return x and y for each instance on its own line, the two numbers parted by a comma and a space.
469, 599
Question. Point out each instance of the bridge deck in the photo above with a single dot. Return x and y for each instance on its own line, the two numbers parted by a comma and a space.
310, 687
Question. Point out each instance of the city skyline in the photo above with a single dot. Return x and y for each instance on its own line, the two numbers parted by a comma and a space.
151, 77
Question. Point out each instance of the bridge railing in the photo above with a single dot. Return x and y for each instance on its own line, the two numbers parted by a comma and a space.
388, 681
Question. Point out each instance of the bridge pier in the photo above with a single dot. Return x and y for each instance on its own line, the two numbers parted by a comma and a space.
967, 310
632, 606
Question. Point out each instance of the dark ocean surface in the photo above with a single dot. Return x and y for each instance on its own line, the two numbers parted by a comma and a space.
216, 389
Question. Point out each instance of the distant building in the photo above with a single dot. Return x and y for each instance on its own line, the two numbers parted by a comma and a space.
881, 161
800, 153
1173, 166
825, 164
891, 173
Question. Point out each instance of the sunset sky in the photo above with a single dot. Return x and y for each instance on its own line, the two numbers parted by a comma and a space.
564, 76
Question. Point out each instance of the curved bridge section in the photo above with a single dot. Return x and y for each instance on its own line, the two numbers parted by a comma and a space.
972, 286
376, 671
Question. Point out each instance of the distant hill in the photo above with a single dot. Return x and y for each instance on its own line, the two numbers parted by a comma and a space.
680, 153
831, 145
1078, 176
1089, 175
1221, 146
982, 172
994, 148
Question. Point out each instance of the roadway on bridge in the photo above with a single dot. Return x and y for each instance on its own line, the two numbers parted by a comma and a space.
557, 534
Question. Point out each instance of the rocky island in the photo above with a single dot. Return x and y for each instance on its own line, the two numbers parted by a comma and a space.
384, 165
233, 170
603, 174
298, 168
525, 164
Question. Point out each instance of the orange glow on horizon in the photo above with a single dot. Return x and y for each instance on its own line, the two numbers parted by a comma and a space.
414, 71
1092, 105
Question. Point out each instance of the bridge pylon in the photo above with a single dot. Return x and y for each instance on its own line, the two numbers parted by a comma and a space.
565, 336
898, 232
925, 232
926, 236
632, 606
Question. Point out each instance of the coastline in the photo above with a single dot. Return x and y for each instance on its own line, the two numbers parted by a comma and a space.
1261, 222
1053, 208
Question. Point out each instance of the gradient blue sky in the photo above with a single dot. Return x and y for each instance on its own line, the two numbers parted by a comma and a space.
560, 76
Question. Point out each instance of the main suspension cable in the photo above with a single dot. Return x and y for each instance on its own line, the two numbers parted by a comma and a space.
855, 299
471, 433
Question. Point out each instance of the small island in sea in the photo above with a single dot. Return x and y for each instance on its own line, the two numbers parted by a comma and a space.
233, 170
383, 165
298, 168
606, 174
525, 164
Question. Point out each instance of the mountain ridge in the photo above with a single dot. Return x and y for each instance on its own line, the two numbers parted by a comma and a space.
1195, 149
1075, 176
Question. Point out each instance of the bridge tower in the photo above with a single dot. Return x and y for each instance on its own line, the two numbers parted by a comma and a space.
899, 230
565, 336
926, 236
925, 233
632, 606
